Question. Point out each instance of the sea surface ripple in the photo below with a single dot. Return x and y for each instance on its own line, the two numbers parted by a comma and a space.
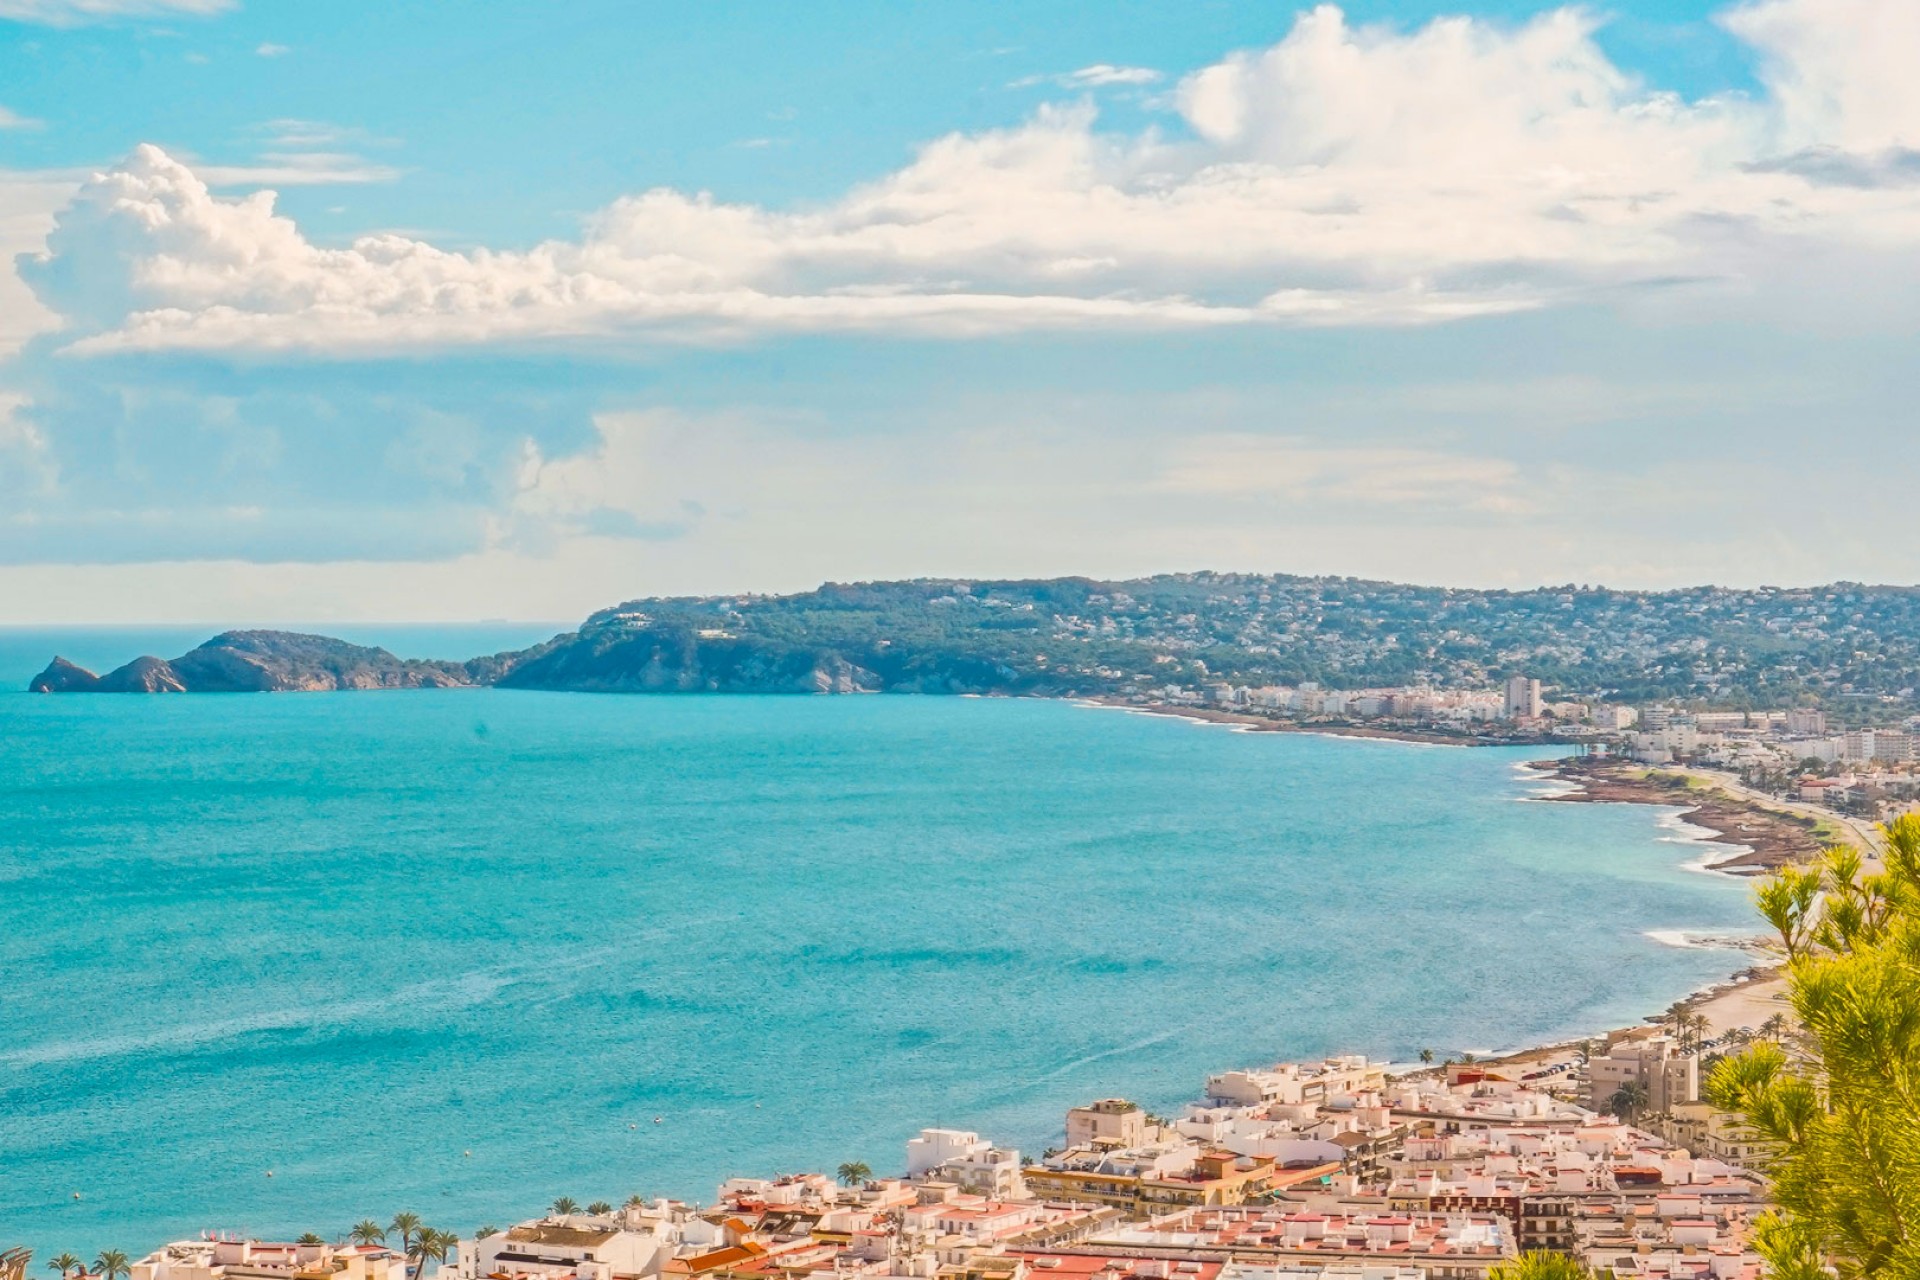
454, 952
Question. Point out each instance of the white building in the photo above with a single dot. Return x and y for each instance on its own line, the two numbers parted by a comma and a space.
1295, 1083
262, 1260
1806, 722
966, 1160
573, 1245
1110, 1122
1656, 1063
1523, 699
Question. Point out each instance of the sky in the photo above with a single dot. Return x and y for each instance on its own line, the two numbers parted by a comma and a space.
422, 312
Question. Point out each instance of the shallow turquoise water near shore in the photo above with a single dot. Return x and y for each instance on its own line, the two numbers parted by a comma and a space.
353, 938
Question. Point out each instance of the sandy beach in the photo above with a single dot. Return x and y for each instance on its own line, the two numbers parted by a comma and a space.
1745, 1004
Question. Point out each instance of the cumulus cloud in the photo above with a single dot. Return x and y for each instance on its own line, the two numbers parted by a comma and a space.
72, 12
620, 487
1840, 72
1344, 176
14, 120
28, 203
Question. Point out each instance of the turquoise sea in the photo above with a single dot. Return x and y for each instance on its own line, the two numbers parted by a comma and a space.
455, 952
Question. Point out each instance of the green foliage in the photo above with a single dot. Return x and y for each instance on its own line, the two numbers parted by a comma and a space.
854, 1173
1628, 1101
1539, 1265
430, 1245
407, 1226
1837, 1106
1734, 649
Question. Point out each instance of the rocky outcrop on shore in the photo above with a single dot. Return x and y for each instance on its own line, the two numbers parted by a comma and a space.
1766, 839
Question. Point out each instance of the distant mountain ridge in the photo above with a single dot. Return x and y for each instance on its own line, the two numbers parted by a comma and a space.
1842, 643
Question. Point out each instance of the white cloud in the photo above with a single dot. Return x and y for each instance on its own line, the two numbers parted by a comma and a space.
1343, 176
1840, 71
1101, 74
270, 50
298, 169
621, 487
27, 468
63, 13
14, 120
28, 203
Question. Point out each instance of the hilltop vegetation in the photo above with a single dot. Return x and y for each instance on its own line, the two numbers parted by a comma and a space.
1841, 645
1721, 646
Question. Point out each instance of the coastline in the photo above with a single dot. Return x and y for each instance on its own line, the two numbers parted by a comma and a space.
1251, 722
1745, 1000
1758, 839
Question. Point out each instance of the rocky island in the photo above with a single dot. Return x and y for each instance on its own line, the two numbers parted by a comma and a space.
262, 662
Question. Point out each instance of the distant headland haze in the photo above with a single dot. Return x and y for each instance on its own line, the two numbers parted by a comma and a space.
1842, 645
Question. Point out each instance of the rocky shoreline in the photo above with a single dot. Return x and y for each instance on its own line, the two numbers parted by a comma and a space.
1765, 839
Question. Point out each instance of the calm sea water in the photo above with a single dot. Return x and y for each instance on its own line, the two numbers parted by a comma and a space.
455, 952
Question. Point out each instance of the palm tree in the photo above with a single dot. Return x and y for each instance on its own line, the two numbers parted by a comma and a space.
636, 1201
1539, 1265
564, 1206
1426, 1056
367, 1231
112, 1264
429, 1246
853, 1173
1774, 1027
481, 1233
1466, 1059
1627, 1101
599, 1208
65, 1263
1675, 1018
406, 1224
309, 1238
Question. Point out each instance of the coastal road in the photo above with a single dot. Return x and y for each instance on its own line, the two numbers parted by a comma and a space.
1863, 833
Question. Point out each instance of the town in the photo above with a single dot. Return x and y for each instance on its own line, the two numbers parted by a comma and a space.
1344, 1169
1797, 754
